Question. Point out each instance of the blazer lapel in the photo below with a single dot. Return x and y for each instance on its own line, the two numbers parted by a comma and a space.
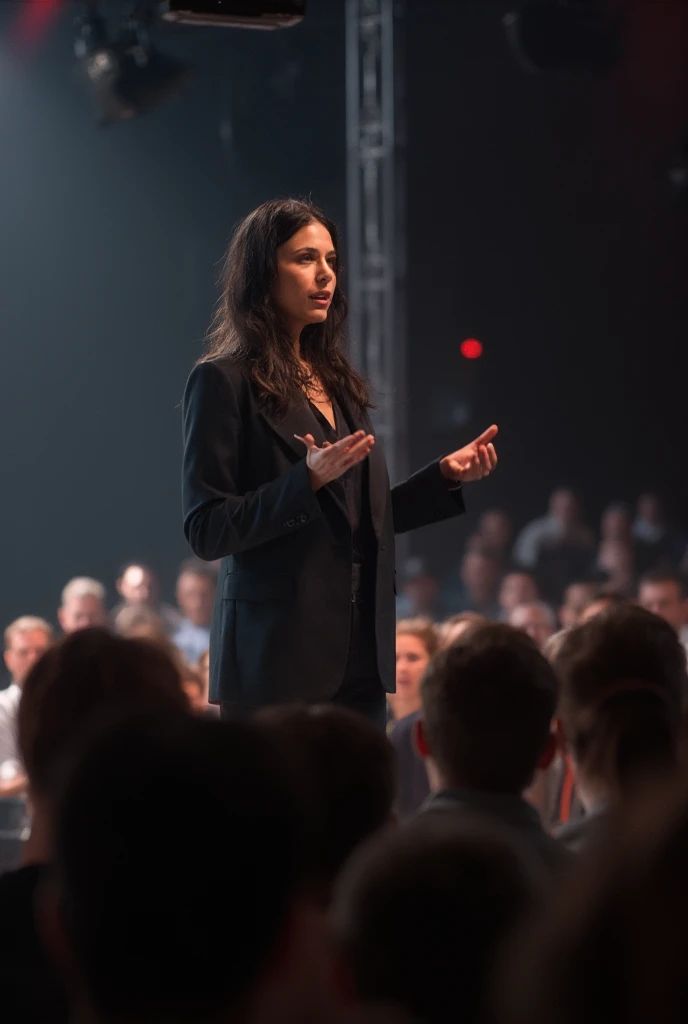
297, 420
378, 481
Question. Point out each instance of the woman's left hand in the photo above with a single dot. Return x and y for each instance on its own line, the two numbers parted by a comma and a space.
473, 462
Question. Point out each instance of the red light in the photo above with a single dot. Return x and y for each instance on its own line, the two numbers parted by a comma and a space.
471, 348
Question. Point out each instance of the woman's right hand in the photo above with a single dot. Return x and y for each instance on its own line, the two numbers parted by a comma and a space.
332, 460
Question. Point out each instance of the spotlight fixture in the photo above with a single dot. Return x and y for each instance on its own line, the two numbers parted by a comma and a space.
127, 75
235, 13
564, 35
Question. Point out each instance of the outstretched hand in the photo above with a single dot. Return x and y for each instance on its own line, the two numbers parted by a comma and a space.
332, 460
473, 462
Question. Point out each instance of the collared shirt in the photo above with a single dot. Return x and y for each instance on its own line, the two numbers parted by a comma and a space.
356, 488
9, 708
191, 640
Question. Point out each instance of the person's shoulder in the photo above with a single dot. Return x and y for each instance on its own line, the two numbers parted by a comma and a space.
223, 366
403, 728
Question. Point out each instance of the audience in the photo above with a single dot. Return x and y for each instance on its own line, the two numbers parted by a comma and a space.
85, 676
195, 596
421, 913
26, 639
536, 619
83, 605
517, 750
485, 728
348, 769
623, 688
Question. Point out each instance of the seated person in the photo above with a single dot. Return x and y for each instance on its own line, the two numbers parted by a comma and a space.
485, 728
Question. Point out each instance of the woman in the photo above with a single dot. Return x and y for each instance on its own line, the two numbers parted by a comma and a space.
283, 481
417, 641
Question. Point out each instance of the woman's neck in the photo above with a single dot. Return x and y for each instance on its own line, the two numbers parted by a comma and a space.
404, 706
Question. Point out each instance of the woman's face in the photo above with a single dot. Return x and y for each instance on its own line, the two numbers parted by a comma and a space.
412, 661
306, 277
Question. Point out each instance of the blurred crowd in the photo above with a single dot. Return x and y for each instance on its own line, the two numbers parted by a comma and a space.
511, 851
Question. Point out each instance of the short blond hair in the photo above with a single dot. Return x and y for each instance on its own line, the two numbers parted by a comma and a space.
83, 586
423, 629
27, 624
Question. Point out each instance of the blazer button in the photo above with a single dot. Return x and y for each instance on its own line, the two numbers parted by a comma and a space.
290, 522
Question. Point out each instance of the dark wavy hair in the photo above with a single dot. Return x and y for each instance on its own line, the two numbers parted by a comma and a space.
247, 324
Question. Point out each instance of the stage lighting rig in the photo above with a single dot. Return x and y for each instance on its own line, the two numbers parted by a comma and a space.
235, 13
126, 73
565, 35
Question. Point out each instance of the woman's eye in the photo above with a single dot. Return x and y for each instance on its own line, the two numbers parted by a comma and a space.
332, 262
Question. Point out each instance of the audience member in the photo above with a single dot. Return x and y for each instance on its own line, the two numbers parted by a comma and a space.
138, 586
484, 729
616, 559
417, 642
664, 593
516, 588
561, 526
578, 596
664, 544
418, 592
421, 913
609, 947
83, 605
496, 533
84, 676
26, 640
348, 769
195, 687
536, 619
476, 588
623, 687
177, 893
196, 585
138, 622
558, 547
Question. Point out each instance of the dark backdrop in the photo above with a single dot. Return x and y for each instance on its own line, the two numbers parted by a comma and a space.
538, 222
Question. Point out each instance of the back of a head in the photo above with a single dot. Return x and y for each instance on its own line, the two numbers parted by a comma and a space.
488, 702
420, 913
609, 947
623, 692
178, 850
88, 675
348, 767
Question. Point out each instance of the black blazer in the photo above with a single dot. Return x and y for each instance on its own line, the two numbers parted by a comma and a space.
280, 626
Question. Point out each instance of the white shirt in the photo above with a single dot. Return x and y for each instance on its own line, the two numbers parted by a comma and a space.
9, 708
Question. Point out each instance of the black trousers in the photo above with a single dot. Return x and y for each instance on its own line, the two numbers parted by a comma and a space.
361, 689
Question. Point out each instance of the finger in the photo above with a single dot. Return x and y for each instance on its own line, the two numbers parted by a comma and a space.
359, 452
327, 444
307, 439
485, 463
365, 442
493, 456
487, 436
348, 442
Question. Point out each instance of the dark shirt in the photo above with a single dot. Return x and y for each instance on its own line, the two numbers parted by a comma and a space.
513, 812
355, 483
412, 778
30, 991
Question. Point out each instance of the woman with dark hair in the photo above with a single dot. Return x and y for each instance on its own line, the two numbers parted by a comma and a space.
283, 481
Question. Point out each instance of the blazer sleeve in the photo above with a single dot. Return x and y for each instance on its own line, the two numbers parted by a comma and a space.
425, 498
218, 519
